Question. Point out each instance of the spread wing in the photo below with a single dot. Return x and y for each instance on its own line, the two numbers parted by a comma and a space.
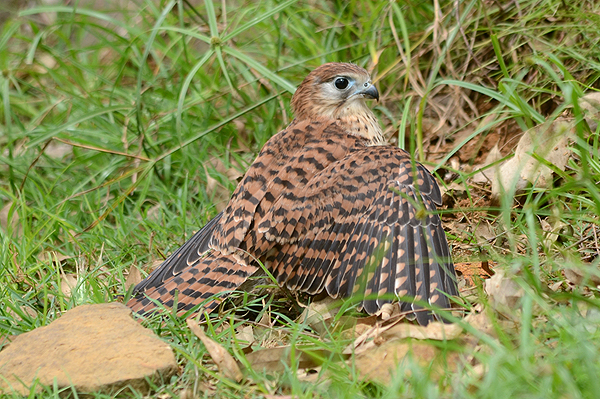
365, 225
187, 255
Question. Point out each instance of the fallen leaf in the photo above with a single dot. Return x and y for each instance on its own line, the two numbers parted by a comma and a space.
590, 104
590, 319
485, 176
551, 141
436, 330
360, 327
214, 188
224, 361
580, 277
503, 292
318, 315
245, 335
480, 321
154, 213
383, 362
25, 311
453, 192
55, 257
555, 286
133, 278
68, 282
278, 359
368, 338
484, 232
8, 218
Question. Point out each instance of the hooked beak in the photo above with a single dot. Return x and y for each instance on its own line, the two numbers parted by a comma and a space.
370, 92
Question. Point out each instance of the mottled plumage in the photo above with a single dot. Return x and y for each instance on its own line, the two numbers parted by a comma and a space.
325, 206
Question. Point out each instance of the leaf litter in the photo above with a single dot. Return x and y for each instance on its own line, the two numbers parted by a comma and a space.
224, 361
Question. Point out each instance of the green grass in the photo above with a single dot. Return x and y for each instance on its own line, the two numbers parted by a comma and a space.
149, 119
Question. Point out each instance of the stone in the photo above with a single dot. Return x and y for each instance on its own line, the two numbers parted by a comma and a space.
93, 348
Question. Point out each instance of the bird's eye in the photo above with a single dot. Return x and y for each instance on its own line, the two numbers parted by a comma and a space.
341, 83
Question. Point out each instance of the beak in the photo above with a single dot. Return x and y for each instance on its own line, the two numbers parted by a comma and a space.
370, 92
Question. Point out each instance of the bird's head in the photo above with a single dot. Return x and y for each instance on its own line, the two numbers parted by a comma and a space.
338, 91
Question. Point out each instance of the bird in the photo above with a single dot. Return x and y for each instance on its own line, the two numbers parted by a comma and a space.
326, 207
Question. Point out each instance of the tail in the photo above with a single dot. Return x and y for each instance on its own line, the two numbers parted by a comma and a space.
194, 285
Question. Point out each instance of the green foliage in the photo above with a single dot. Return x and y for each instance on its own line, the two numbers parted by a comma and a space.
120, 132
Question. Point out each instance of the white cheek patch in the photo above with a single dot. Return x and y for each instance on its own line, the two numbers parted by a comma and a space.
329, 91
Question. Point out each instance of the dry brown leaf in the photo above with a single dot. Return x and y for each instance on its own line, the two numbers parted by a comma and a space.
436, 330
276, 359
485, 176
318, 315
245, 335
381, 363
484, 232
219, 355
550, 141
556, 286
270, 359
25, 309
14, 220
133, 278
187, 394
359, 327
579, 277
68, 282
378, 334
155, 263
481, 322
493, 156
590, 319
452, 192
213, 186
381, 360
55, 257
368, 338
154, 213
590, 104
202, 388
503, 292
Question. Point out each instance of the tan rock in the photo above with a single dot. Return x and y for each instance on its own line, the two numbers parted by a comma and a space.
95, 348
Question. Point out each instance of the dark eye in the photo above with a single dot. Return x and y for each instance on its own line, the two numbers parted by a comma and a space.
341, 83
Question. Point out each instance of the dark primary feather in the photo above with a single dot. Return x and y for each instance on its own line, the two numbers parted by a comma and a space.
323, 207
188, 254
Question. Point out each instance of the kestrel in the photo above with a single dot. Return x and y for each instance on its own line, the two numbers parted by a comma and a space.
326, 206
